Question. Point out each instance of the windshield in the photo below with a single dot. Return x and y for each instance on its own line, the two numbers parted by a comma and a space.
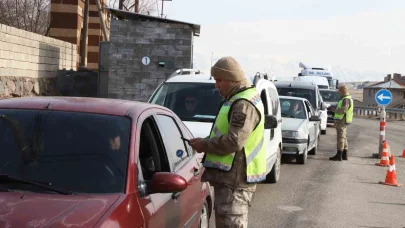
303, 93
330, 95
190, 101
292, 108
79, 152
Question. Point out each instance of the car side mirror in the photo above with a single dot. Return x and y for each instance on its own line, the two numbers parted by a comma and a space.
323, 106
315, 118
164, 182
270, 122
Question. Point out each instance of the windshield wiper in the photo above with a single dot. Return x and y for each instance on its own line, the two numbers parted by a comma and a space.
8, 178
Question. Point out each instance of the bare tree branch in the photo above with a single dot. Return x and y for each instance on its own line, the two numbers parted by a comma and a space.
29, 15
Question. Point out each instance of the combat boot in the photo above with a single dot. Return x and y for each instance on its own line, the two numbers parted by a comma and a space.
337, 157
344, 155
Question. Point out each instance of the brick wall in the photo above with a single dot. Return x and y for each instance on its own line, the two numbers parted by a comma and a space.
29, 62
166, 42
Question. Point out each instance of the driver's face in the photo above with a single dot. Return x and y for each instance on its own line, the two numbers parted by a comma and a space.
190, 103
115, 143
296, 107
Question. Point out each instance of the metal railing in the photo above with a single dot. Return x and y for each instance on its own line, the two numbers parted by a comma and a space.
374, 112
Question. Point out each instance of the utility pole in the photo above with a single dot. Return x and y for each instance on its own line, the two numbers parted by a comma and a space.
121, 4
85, 32
162, 7
136, 6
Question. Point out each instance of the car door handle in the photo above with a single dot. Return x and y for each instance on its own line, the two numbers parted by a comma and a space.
175, 195
196, 172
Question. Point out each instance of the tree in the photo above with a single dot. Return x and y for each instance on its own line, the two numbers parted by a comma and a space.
138, 6
29, 15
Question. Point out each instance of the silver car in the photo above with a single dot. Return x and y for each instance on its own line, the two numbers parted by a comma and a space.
300, 127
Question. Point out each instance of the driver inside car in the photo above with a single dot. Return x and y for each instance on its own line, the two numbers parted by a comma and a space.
296, 110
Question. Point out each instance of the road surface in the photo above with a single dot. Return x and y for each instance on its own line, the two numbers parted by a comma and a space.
324, 193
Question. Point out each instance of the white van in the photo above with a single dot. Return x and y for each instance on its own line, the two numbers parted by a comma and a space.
180, 91
321, 82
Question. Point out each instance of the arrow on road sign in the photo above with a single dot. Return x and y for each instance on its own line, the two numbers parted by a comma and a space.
382, 97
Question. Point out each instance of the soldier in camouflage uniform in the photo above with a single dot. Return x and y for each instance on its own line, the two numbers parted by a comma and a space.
343, 116
233, 193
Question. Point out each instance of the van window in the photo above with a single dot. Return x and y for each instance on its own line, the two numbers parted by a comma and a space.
198, 102
330, 95
308, 94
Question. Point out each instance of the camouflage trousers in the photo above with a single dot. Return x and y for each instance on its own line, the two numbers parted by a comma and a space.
341, 130
231, 206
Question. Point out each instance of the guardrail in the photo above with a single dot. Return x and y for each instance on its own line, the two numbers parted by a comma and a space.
374, 112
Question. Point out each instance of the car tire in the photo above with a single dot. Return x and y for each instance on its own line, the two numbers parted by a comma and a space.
204, 216
323, 132
274, 175
315, 149
302, 158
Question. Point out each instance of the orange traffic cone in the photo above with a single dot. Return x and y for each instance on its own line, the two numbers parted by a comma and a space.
403, 153
391, 178
384, 161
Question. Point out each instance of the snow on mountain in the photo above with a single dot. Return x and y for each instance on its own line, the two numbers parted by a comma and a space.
285, 68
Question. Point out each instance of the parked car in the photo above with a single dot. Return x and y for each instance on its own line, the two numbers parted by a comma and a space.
300, 124
331, 98
92, 162
308, 91
196, 101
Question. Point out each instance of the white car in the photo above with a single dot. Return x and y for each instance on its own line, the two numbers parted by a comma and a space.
300, 127
196, 101
308, 91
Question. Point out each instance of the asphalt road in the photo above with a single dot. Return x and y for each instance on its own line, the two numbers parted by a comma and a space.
328, 194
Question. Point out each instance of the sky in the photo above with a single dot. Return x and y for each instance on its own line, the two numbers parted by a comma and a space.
359, 39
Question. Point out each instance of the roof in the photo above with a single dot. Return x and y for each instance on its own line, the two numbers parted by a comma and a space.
196, 78
122, 14
295, 84
333, 90
393, 84
77, 104
292, 98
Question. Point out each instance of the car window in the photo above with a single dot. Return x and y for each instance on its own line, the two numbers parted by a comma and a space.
308, 94
292, 108
330, 95
311, 111
198, 102
152, 154
274, 101
80, 152
171, 134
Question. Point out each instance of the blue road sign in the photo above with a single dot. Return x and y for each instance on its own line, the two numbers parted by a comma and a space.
383, 97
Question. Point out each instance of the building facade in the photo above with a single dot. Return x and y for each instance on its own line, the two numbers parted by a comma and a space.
144, 51
395, 83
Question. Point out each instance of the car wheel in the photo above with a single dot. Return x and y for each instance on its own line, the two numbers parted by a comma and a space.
302, 158
204, 217
323, 132
274, 175
315, 149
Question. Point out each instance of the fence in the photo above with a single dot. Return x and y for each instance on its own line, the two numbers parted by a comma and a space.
374, 112
82, 83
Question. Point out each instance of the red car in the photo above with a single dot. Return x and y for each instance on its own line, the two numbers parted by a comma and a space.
92, 162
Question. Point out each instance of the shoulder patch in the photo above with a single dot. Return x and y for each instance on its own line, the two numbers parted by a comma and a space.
238, 119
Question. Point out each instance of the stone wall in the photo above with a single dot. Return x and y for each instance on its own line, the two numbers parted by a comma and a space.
29, 62
168, 42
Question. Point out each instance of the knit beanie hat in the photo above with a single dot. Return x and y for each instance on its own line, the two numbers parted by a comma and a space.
227, 68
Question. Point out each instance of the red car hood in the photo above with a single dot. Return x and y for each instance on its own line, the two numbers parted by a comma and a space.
39, 210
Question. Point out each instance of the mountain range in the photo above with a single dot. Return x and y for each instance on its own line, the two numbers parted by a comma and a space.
286, 69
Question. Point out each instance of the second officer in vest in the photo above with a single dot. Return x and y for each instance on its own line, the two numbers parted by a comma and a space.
343, 116
235, 157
